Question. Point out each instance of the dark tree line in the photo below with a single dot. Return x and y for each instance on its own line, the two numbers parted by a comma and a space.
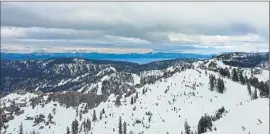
73, 99
217, 84
86, 126
94, 117
225, 72
187, 128
212, 82
204, 123
21, 129
122, 128
75, 127
238, 76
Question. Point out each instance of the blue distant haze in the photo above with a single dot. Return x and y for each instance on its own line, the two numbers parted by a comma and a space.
132, 57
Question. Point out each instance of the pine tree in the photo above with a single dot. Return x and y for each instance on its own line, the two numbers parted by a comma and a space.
94, 118
255, 94
32, 103
228, 74
252, 72
246, 79
68, 131
264, 88
103, 111
75, 126
118, 101
88, 125
131, 102
212, 81
77, 112
50, 117
224, 72
187, 128
220, 85
249, 88
120, 126
143, 91
125, 128
21, 129
234, 75
242, 78
54, 111
204, 123
82, 127
100, 116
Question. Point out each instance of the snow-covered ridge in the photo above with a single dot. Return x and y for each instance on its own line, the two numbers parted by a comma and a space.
167, 102
146, 98
106, 70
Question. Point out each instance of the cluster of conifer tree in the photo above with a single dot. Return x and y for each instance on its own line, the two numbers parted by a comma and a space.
216, 84
237, 75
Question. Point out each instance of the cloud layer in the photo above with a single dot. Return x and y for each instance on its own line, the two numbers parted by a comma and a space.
121, 27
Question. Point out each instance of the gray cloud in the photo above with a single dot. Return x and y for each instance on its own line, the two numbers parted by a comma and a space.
147, 25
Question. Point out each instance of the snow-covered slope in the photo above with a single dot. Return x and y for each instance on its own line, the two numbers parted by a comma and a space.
250, 118
262, 73
162, 107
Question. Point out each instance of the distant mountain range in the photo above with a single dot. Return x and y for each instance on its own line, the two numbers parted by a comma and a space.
41, 55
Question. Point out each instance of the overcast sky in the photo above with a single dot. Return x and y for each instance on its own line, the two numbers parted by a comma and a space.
138, 27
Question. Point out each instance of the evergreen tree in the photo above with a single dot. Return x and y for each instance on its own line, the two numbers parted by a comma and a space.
50, 117
204, 123
224, 72
118, 101
228, 74
21, 129
255, 94
143, 91
254, 81
94, 118
32, 103
131, 102
187, 128
242, 78
212, 81
246, 79
137, 95
120, 126
103, 111
220, 85
234, 75
68, 131
77, 111
54, 111
264, 88
87, 125
252, 72
75, 126
249, 88
82, 127
124, 128
100, 116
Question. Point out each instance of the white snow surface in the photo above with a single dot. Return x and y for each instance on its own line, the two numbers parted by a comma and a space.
242, 111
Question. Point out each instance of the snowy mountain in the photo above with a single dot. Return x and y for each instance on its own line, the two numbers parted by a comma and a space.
242, 59
71, 73
209, 96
